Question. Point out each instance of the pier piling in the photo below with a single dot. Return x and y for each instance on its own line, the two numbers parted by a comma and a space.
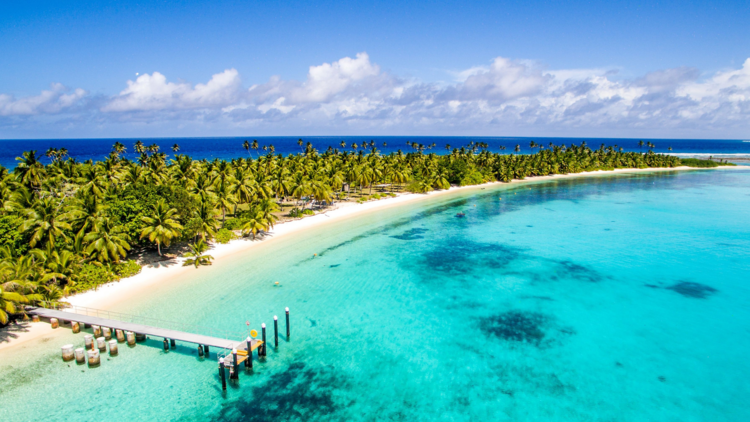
54, 322
131, 338
263, 346
222, 375
107, 333
249, 360
140, 337
89, 341
101, 344
93, 358
80, 355
75, 327
120, 336
235, 366
172, 343
166, 345
200, 351
35, 318
113, 347
287, 324
275, 332
67, 353
97, 330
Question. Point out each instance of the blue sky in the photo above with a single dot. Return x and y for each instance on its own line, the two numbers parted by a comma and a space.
667, 69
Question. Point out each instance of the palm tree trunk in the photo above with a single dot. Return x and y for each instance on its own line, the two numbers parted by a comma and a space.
158, 247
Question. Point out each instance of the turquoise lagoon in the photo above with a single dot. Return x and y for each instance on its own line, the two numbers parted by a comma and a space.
610, 298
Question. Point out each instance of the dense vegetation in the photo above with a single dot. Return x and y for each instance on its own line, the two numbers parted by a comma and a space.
69, 226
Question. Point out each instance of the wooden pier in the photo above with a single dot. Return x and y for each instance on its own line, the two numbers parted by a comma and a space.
165, 333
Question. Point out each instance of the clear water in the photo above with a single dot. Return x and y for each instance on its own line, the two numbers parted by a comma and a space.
228, 148
615, 298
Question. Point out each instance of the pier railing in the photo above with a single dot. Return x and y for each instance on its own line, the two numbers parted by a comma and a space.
231, 336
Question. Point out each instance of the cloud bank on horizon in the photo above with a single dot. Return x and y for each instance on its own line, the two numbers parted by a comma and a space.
354, 95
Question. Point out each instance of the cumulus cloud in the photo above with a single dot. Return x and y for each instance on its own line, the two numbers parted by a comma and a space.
355, 94
55, 100
153, 92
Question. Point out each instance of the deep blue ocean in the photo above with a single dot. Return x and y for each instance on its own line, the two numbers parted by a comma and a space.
601, 298
231, 147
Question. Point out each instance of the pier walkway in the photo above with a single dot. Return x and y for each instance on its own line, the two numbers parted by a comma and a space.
223, 342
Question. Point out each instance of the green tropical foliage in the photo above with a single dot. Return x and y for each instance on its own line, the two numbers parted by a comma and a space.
196, 255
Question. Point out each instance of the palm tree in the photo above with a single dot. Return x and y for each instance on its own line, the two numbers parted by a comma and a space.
207, 224
107, 243
254, 222
246, 145
9, 302
138, 146
29, 170
118, 149
640, 146
162, 226
175, 147
45, 223
196, 255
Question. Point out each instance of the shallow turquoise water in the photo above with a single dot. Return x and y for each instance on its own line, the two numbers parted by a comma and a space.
607, 298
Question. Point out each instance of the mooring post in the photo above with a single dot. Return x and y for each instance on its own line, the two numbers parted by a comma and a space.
287, 324
222, 375
200, 351
263, 328
166, 345
172, 343
249, 360
235, 366
89, 340
275, 332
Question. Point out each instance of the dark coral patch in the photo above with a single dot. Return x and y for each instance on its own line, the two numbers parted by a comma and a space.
298, 393
461, 256
519, 326
577, 271
412, 234
694, 290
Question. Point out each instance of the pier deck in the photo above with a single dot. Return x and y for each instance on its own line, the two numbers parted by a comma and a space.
144, 329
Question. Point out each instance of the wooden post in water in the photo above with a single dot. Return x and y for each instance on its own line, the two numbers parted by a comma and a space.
205, 349
275, 332
222, 375
235, 366
249, 360
172, 343
263, 329
200, 351
113, 347
67, 353
80, 355
89, 340
287, 324
76, 327
166, 345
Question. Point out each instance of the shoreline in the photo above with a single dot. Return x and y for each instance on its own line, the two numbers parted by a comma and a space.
164, 272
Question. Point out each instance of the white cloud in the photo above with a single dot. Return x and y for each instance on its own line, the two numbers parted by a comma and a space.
153, 92
354, 94
52, 101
